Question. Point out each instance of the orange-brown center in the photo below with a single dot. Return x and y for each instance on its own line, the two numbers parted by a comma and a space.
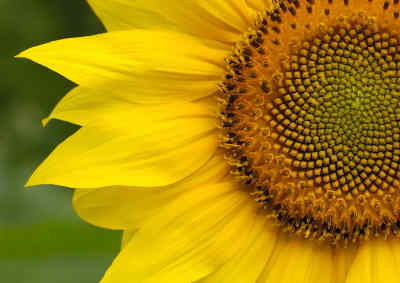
310, 111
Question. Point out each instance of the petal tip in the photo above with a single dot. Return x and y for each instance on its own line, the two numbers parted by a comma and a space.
30, 183
46, 121
22, 54
35, 180
31, 53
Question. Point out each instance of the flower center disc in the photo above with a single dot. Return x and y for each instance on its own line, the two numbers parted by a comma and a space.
310, 111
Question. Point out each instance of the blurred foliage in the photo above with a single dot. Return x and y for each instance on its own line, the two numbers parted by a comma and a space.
41, 238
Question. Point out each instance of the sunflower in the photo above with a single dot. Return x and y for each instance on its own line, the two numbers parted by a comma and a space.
242, 141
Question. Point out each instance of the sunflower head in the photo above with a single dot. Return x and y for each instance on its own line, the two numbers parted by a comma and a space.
302, 143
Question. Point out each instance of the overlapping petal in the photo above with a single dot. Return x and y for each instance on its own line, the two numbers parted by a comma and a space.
127, 236
128, 208
298, 260
127, 14
260, 5
343, 258
247, 264
83, 106
141, 66
221, 20
191, 237
152, 146
376, 261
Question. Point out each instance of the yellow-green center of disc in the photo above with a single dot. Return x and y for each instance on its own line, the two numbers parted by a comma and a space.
311, 123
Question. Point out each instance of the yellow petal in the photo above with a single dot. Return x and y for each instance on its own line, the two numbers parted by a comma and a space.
375, 262
221, 20
395, 245
126, 14
343, 258
190, 238
260, 5
248, 263
83, 106
298, 260
145, 66
156, 146
128, 208
127, 236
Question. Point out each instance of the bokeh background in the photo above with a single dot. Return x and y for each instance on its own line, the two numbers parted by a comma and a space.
41, 238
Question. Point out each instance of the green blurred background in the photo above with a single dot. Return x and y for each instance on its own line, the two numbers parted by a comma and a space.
41, 238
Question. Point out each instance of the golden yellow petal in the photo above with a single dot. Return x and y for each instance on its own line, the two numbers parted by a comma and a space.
375, 262
156, 146
127, 236
145, 66
298, 260
128, 208
127, 14
343, 258
247, 264
194, 235
221, 20
83, 106
395, 246
260, 5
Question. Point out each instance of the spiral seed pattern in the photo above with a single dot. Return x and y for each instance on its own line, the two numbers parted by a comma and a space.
311, 125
